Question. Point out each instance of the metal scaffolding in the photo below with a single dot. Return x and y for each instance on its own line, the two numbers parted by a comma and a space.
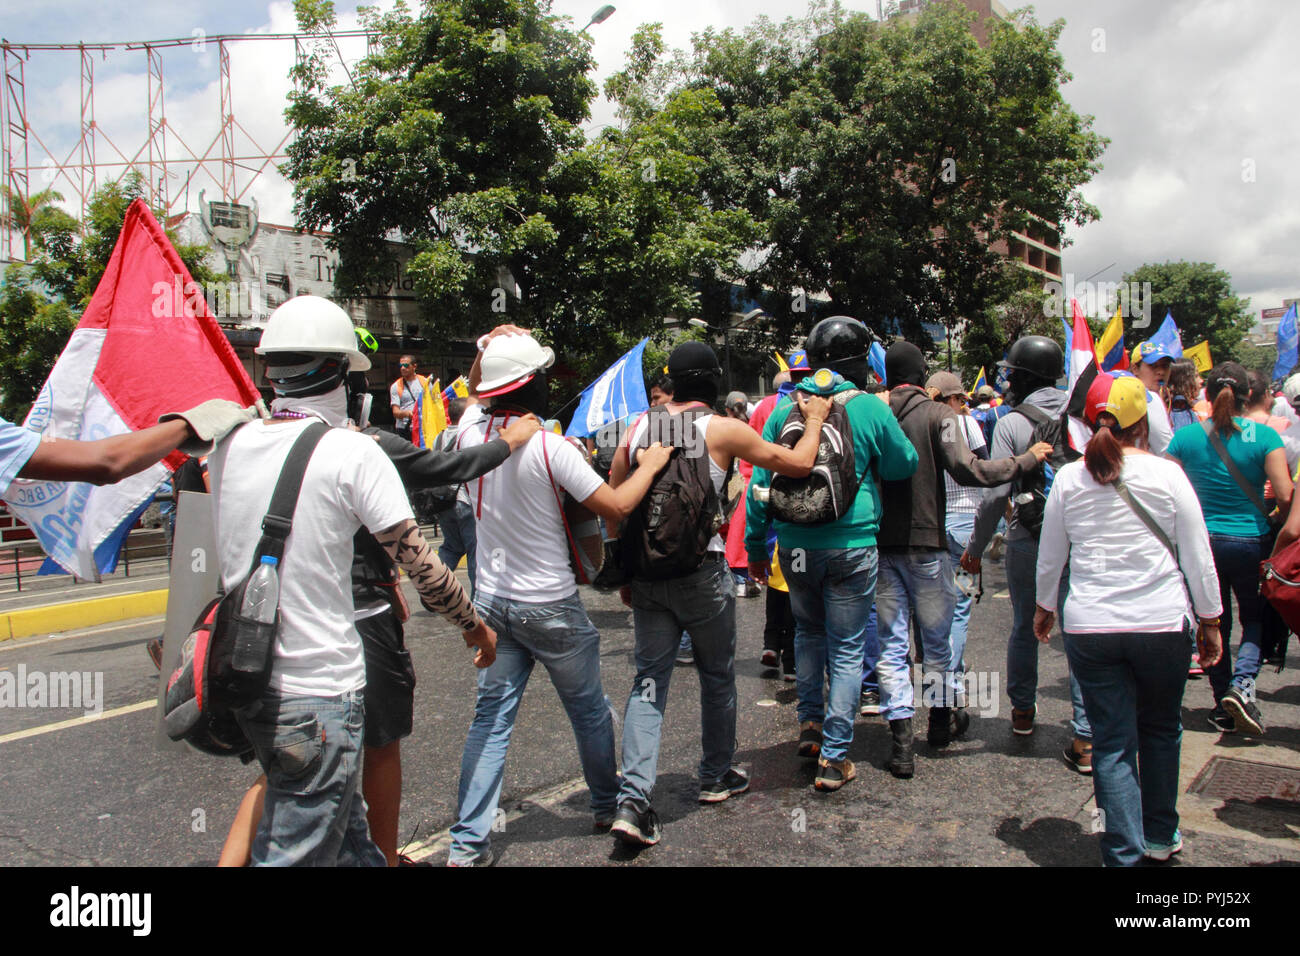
232, 161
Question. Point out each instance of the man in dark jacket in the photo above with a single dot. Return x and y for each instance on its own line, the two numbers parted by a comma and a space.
915, 566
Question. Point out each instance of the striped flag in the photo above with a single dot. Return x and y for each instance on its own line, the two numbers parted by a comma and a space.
1110, 350
980, 381
619, 392
1083, 369
146, 305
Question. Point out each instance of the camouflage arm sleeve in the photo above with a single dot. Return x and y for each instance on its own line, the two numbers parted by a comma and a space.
440, 592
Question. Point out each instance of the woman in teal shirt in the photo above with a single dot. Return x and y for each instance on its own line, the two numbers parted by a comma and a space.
1240, 537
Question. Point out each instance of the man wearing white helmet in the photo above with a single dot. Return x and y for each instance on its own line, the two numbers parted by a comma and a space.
526, 590
307, 730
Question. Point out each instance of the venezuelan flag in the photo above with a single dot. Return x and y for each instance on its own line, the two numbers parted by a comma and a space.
1110, 349
980, 381
430, 417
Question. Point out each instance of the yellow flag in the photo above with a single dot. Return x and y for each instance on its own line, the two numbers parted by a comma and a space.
780, 361
1200, 354
433, 417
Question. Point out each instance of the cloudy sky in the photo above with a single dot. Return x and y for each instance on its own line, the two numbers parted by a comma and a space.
1196, 96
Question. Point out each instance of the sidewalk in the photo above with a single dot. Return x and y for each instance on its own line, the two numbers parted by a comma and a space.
54, 603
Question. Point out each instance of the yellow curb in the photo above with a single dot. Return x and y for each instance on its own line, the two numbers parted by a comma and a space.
76, 614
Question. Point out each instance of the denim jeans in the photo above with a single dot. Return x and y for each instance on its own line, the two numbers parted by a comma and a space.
703, 604
310, 750
1133, 688
1022, 648
459, 537
961, 525
1237, 561
831, 591
920, 581
871, 652
561, 636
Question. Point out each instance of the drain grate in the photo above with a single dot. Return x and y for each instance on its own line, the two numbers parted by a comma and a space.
1226, 778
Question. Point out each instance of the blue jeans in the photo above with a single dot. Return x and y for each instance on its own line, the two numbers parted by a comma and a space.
1022, 648
1237, 561
562, 637
1133, 687
703, 604
870, 652
459, 538
922, 581
961, 525
310, 750
831, 591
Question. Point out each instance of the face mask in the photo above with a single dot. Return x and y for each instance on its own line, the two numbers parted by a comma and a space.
332, 407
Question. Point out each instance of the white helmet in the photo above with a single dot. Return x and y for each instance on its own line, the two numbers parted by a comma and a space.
308, 323
510, 361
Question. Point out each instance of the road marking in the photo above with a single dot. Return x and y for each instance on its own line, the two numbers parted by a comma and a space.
75, 721
17, 645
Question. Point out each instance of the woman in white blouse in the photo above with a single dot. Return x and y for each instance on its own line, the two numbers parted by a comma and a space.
1127, 620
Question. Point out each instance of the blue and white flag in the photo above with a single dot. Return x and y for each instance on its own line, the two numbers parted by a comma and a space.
1287, 340
620, 391
876, 356
1168, 337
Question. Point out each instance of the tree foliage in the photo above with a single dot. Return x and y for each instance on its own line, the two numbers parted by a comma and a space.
1199, 295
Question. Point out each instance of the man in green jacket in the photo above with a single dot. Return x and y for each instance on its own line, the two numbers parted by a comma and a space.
831, 567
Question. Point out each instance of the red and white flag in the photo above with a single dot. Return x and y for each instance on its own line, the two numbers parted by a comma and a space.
146, 345
1083, 370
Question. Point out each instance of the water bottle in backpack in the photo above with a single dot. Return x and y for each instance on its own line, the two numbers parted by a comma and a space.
258, 616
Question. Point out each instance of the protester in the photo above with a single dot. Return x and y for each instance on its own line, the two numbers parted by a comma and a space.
698, 599
405, 395
916, 575
987, 411
831, 567
1127, 631
527, 590
1185, 386
310, 718
1034, 363
1151, 362
1232, 499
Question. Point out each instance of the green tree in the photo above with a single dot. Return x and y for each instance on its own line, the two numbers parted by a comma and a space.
1199, 295
885, 160
460, 133
1263, 358
1021, 312
41, 301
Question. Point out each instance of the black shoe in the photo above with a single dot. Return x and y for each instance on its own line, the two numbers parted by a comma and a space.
810, 739
960, 722
902, 762
404, 860
939, 733
1221, 722
733, 782
636, 827
1243, 712
869, 703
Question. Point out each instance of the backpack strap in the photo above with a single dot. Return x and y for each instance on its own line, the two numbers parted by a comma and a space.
1032, 412
1221, 450
1146, 518
284, 500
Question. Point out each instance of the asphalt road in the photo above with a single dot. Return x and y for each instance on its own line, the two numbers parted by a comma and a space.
102, 792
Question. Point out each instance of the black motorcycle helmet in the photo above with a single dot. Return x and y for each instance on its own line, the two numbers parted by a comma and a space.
1034, 362
840, 343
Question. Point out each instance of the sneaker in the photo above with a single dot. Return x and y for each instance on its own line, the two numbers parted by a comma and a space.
1244, 713
686, 652
733, 782
154, 649
1194, 670
788, 674
810, 738
770, 660
752, 589
1160, 852
486, 859
604, 820
869, 703
831, 775
636, 827
1022, 721
1079, 756
1221, 722
740, 590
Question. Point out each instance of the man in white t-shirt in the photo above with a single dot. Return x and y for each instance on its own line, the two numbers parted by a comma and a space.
526, 590
307, 729
405, 394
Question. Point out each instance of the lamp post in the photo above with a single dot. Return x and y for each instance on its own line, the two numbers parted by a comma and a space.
600, 16
726, 335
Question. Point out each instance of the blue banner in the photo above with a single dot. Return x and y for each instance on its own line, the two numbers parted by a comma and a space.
1286, 344
1167, 336
620, 391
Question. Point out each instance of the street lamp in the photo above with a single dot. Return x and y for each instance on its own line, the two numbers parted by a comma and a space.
726, 335
600, 16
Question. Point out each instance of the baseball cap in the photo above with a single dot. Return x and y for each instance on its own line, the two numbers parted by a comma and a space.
947, 385
1150, 353
798, 361
1123, 397
985, 392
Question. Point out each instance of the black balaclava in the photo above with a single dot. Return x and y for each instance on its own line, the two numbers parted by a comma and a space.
694, 370
904, 365
1022, 384
532, 397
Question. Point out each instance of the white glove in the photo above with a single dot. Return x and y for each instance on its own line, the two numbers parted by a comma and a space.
211, 422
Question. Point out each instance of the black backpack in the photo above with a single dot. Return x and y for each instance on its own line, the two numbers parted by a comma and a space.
668, 534
1031, 498
827, 493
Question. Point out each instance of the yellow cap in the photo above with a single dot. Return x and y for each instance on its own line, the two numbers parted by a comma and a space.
1127, 401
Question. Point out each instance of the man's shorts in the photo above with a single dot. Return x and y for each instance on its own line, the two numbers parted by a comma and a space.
390, 680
